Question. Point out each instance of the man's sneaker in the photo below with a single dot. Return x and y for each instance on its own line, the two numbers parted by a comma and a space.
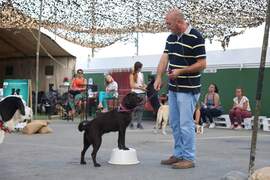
139, 126
170, 161
183, 164
212, 125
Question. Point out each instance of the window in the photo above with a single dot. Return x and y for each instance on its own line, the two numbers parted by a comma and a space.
9, 70
48, 70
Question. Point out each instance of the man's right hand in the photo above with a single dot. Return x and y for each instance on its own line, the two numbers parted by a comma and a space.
163, 63
157, 84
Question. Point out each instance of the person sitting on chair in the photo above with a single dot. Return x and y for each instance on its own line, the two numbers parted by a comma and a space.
211, 107
77, 89
240, 110
111, 92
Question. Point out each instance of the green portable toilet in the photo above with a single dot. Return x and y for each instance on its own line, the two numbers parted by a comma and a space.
17, 86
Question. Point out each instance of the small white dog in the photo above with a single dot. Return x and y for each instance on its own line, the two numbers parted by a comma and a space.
162, 115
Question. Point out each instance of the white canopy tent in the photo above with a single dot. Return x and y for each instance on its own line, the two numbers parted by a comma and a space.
234, 58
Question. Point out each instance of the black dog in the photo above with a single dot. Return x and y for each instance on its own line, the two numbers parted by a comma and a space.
9, 105
152, 95
116, 120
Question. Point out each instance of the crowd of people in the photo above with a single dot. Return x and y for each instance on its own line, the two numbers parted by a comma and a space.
203, 115
79, 92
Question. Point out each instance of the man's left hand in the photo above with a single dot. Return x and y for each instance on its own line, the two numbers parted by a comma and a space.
174, 73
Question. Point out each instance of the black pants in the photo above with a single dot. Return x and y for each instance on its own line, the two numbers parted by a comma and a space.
210, 114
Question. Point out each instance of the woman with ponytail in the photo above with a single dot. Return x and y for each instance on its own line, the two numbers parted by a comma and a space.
138, 86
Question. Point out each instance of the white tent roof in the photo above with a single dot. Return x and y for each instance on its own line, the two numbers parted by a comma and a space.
234, 58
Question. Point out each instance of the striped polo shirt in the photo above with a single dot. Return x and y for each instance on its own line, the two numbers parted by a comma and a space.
184, 51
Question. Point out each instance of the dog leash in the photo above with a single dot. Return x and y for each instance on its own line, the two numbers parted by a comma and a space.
122, 108
150, 97
4, 127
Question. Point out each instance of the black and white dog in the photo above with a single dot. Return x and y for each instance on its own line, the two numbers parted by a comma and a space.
8, 107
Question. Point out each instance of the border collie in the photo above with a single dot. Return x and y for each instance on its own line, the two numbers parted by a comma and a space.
8, 107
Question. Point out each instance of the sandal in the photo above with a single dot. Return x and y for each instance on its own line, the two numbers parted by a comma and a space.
104, 110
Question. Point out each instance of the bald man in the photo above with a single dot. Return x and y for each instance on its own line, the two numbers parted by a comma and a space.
185, 57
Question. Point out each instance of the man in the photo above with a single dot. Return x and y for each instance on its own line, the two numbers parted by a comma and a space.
185, 57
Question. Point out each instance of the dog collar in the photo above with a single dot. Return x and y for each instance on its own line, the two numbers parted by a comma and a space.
122, 108
4, 127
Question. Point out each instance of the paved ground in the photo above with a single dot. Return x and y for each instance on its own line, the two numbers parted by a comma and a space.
56, 156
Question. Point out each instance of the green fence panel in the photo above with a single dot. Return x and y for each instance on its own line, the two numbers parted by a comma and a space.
227, 80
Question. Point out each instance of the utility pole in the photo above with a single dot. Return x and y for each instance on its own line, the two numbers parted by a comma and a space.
259, 92
37, 57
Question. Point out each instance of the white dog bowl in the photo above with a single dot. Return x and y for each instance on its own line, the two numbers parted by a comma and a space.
123, 157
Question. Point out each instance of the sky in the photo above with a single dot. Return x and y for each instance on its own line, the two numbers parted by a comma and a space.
154, 44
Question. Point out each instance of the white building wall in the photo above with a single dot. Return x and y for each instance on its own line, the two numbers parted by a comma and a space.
235, 58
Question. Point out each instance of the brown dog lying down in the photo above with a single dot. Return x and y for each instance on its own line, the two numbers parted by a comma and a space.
116, 120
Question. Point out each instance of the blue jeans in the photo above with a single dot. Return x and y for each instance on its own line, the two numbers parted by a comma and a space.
103, 97
182, 106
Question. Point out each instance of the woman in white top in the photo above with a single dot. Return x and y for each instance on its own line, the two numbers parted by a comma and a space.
240, 110
138, 86
110, 93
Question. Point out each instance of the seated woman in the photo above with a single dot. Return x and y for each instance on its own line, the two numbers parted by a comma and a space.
111, 92
211, 106
77, 89
240, 110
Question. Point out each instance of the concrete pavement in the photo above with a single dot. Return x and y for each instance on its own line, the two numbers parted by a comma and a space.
56, 156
